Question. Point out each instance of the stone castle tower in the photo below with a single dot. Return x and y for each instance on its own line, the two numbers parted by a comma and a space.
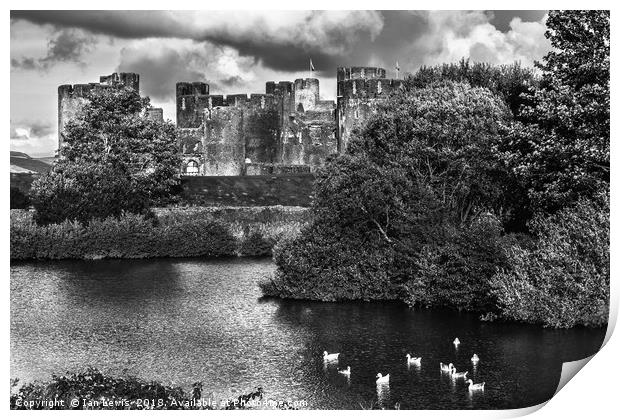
360, 91
72, 97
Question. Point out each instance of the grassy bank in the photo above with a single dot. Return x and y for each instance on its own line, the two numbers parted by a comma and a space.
174, 232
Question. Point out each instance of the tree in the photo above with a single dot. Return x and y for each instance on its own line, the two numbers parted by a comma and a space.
113, 159
421, 168
510, 82
561, 153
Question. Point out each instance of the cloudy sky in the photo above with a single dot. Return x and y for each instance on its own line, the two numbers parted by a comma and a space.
238, 51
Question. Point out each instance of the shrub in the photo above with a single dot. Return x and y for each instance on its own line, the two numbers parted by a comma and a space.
457, 271
562, 279
174, 233
95, 391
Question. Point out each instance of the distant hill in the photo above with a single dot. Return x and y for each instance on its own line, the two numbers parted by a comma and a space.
22, 163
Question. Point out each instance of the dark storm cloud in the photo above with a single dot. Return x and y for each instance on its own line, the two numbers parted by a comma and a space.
67, 45
160, 70
283, 41
326, 37
230, 81
501, 18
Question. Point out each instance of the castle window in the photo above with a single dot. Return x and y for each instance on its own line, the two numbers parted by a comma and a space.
354, 88
183, 104
357, 114
300, 108
191, 168
262, 102
379, 89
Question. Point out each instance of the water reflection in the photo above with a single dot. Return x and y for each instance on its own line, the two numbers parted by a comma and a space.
383, 395
189, 320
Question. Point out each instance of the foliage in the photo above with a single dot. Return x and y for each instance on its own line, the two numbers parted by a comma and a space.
19, 200
457, 272
113, 159
561, 154
562, 279
85, 192
510, 82
172, 233
421, 170
92, 390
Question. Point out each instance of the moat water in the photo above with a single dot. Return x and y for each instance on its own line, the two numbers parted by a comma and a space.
186, 320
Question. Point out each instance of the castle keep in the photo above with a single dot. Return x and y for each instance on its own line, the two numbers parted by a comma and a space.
286, 130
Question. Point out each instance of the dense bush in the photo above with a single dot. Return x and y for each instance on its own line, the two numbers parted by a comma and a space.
85, 192
562, 279
457, 272
92, 390
174, 233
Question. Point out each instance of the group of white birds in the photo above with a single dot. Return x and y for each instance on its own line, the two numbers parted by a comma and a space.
416, 361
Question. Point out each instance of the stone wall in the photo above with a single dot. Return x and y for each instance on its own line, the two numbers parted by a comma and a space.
258, 190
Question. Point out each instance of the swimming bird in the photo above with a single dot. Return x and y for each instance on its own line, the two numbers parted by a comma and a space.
475, 358
457, 341
475, 387
333, 357
446, 368
413, 360
383, 379
346, 371
456, 374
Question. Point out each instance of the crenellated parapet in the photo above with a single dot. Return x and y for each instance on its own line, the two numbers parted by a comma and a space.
369, 88
350, 73
131, 80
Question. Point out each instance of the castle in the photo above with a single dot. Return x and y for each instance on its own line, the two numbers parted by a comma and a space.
287, 129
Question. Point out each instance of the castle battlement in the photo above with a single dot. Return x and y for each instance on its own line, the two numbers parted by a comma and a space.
192, 88
367, 88
279, 88
349, 73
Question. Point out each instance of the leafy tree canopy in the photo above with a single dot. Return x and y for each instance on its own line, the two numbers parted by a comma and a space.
113, 159
562, 154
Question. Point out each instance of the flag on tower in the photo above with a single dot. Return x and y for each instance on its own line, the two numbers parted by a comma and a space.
311, 65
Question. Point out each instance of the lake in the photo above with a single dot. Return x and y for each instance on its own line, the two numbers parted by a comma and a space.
186, 320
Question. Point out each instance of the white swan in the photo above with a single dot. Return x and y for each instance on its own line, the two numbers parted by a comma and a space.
475, 358
457, 341
383, 379
456, 374
475, 387
330, 357
446, 368
346, 371
413, 360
